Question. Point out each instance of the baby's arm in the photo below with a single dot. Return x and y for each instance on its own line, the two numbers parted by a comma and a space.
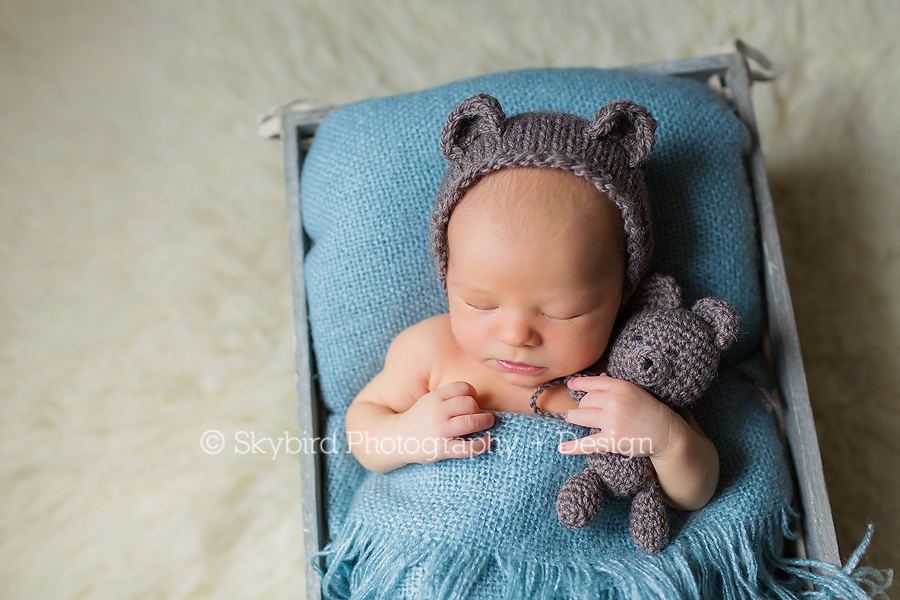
396, 420
686, 461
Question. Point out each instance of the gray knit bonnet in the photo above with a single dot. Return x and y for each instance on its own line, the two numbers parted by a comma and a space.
479, 139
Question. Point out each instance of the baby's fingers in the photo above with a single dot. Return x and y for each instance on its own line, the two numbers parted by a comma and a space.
600, 383
466, 449
591, 384
457, 388
586, 445
586, 417
460, 405
470, 423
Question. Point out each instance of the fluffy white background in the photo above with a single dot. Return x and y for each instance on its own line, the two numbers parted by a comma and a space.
144, 291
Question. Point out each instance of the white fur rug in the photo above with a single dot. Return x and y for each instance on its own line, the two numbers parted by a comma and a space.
144, 263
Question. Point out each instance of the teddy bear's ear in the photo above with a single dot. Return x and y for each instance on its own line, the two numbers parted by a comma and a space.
657, 291
628, 124
721, 317
477, 118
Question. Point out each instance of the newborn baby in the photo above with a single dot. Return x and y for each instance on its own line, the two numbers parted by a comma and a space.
540, 233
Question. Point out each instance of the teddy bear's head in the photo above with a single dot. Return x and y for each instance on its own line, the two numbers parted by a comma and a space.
671, 351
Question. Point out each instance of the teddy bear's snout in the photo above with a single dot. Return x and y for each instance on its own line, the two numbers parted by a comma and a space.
649, 367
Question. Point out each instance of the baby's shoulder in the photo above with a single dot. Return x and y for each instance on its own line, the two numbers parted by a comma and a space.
423, 349
428, 340
438, 325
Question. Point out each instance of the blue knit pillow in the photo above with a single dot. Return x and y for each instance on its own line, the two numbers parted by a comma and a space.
369, 182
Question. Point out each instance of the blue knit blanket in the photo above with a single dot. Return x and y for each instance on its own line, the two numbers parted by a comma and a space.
486, 527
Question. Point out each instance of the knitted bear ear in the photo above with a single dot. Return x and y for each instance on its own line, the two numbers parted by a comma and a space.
657, 291
477, 118
628, 124
721, 317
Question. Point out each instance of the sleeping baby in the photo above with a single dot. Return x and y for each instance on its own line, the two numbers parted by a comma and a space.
541, 234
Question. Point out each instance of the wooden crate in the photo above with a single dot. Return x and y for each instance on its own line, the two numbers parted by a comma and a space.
817, 539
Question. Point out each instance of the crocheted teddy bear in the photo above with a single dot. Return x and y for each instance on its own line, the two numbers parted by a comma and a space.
673, 353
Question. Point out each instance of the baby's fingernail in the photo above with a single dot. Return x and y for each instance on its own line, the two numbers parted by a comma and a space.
602, 375
564, 446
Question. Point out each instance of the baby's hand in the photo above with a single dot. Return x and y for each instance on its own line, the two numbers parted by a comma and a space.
429, 430
631, 421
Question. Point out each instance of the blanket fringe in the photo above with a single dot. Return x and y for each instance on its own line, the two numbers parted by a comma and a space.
738, 563
850, 581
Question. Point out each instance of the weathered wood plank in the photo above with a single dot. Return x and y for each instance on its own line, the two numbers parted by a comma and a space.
820, 539
308, 404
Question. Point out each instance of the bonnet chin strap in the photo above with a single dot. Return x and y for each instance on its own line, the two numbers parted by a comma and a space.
765, 395
576, 395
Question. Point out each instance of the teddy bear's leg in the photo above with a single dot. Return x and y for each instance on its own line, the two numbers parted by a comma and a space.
649, 520
580, 499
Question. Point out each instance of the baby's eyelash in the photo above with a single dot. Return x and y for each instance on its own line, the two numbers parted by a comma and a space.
483, 311
552, 318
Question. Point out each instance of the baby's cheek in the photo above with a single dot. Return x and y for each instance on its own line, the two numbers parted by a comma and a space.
589, 346
579, 358
464, 330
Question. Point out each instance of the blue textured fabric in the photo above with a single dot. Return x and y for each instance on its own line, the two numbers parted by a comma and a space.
486, 527
370, 179
367, 187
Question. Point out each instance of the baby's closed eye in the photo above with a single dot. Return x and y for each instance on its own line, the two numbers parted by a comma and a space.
483, 308
564, 318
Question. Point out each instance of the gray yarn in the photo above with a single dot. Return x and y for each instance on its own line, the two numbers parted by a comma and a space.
576, 395
479, 139
673, 353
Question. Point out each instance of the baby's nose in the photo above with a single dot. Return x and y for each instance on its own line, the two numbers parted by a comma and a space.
517, 332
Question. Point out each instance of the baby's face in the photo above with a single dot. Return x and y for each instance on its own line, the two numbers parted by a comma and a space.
535, 274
